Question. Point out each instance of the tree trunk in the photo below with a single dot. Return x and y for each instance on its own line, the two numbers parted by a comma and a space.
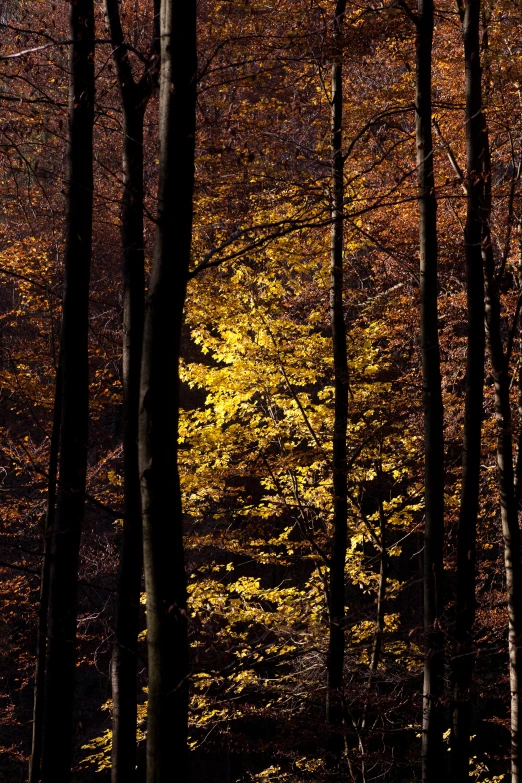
432, 717
380, 614
506, 472
334, 710
134, 98
165, 581
381, 594
508, 507
469, 504
41, 648
61, 651
506, 479
124, 658
518, 460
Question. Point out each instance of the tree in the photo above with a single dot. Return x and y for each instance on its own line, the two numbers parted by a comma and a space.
506, 469
471, 459
164, 567
135, 96
43, 608
341, 384
432, 714
65, 545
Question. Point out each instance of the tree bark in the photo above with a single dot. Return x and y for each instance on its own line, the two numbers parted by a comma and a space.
124, 658
379, 631
335, 663
518, 459
65, 545
505, 466
134, 99
508, 506
432, 717
165, 581
41, 647
469, 504
506, 479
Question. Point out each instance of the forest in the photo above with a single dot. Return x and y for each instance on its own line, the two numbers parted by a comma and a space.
260, 391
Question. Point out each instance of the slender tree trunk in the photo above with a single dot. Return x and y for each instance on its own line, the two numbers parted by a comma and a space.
377, 640
124, 658
506, 479
432, 717
506, 472
381, 596
469, 505
334, 710
134, 98
165, 581
41, 648
379, 620
508, 506
518, 462
61, 650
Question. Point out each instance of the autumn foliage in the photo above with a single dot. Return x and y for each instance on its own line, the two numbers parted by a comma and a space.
257, 381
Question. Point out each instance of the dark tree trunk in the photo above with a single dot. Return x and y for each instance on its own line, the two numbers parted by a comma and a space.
379, 631
380, 615
61, 649
124, 658
506, 479
134, 97
335, 664
432, 717
165, 581
506, 472
518, 461
41, 647
508, 506
469, 505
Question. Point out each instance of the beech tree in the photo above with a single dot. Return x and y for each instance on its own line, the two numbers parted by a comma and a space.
432, 715
471, 454
165, 581
135, 96
65, 542
43, 608
507, 470
338, 327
